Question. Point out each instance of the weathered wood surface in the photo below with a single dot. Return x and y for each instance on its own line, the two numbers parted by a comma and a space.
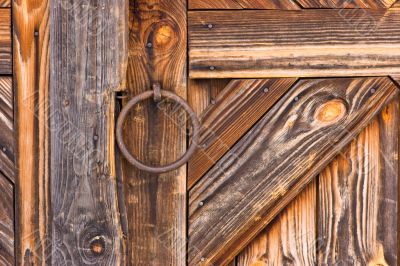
396, 5
6, 221
6, 128
243, 4
88, 63
374, 4
235, 110
396, 79
306, 43
156, 134
5, 41
290, 238
31, 69
5, 3
315, 119
358, 198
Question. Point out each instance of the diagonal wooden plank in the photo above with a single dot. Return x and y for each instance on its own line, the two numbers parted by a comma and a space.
241, 104
306, 43
6, 222
346, 3
396, 5
358, 197
290, 238
274, 161
396, 79
243, 4
5, 3
6, 128
5, 41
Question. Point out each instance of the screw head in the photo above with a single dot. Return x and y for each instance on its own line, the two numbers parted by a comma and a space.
149, 45
201, 203
266, 90
210, 26
373, 91
212, 67
296, 99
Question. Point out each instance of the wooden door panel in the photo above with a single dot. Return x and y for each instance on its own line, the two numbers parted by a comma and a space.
233, 112
375, 4
6, 128
358, 197
5, 39
307, 43
252, 183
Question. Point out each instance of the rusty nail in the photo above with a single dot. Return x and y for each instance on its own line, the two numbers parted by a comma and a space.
65, 102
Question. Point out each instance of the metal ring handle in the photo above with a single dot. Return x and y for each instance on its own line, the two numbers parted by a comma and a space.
160, 169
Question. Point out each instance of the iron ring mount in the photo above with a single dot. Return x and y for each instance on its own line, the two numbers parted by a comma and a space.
156, 93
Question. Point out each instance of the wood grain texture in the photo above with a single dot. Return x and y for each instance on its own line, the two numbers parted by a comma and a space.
270, 165
358, 198
396, 5
156, 134
6, 222
306, 43
396, 79
31, 76
6, 128
243, 4
290, 238
5, 3
235, 110
88, 51
374, 4
5, 40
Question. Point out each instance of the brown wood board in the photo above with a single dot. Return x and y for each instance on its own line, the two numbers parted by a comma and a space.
290, 238
358, 197
243, 4
6, 222
235, 110
373, 4
306, 43
315, 119
156, 134
6, 128
5, 41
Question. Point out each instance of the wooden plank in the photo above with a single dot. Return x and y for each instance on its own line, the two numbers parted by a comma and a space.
6, 128
234, 112
6, 222
243, 4
5, 3
375, 4
88, 51
290, 238
307, 43
156, 134
31, 69
5, 40
396, 79
396, 5
274, 161
358, 197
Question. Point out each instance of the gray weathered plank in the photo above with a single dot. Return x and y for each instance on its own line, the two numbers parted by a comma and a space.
270, 165
359, 195
88, 63
306, 43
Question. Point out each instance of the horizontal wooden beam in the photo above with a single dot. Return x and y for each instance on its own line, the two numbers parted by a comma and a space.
376, 4
5, 41
243, 4
303, 43
275, 160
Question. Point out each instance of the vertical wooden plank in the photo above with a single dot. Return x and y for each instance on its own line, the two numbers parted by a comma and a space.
5, 41
358, 198
6, 222
290, 238
30, 56
156, 134
88, 50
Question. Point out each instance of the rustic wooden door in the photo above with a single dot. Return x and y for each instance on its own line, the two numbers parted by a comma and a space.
295, 163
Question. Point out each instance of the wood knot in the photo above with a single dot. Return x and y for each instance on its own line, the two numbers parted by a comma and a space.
330, 112
164, 36
98, 245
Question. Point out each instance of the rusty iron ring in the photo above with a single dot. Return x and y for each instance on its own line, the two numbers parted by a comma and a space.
160, 169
